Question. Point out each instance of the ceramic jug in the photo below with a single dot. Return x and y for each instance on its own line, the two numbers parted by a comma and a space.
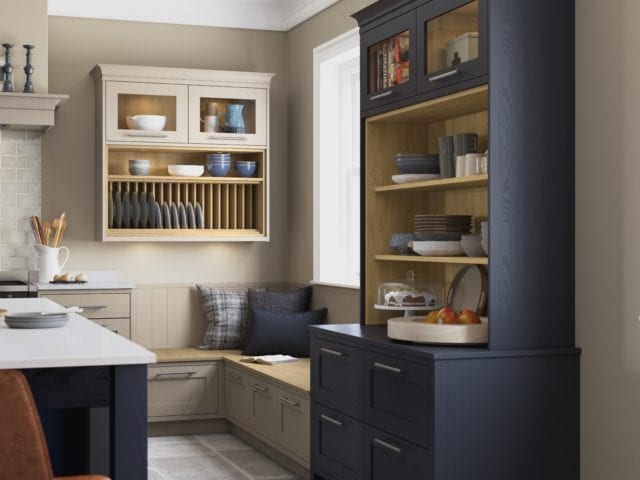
50, 264
233, 117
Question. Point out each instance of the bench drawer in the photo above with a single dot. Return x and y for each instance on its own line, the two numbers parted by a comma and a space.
95, 305
336, 376
388, 457
398, 397
237, 396
336, 445
293, 423
183, 389
121, 326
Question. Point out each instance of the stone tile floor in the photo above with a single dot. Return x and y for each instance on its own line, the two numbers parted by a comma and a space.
219, 456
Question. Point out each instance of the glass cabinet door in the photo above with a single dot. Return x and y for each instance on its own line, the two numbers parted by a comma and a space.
388, 61
452, 34
144, 112
228, 115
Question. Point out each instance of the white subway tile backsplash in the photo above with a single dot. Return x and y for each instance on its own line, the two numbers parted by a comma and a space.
20, 196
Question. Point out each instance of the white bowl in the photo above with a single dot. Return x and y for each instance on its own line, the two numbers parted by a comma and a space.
186, 170
146, 122
432, 248
472, 245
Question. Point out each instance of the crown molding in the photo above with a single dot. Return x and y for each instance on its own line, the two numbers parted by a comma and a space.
278, 15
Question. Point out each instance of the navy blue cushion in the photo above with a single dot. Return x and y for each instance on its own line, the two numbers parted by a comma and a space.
285, 333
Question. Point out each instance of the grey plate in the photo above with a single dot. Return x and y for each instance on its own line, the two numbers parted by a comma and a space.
118, 213
438, 236
192, 215
166, 215
175, 223
111, 209
144, 210
135, 210
183, 215
126, 210
157, 217
199, 216
46, 323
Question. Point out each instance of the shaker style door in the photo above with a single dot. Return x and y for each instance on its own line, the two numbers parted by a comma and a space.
453, 36
228, 116
146, 112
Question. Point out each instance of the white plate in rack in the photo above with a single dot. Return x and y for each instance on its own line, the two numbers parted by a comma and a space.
411, 329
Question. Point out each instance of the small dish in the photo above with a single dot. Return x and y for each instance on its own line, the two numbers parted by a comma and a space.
185, 170
245, 169
472, 245
146, 122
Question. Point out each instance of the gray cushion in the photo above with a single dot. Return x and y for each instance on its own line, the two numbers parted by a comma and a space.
286, 333
290, 301
225, 312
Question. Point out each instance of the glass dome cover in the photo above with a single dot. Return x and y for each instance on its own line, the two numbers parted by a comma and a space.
410, 292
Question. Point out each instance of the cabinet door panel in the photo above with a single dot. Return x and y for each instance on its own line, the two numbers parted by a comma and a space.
388, 457
336, 444
263, 407
183, 389
293, 423
237, 396
398, 397
336, 376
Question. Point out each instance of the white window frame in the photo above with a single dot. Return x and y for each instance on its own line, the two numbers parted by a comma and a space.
337, 60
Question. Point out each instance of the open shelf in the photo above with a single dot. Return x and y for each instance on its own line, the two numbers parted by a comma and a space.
419, 259
437, 185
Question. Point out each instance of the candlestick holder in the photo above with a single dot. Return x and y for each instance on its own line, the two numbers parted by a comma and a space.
7, 70
28, 70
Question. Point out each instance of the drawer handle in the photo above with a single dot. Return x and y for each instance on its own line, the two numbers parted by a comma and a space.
388, 446
107, 327
259, 387
442, 76
333, 421
328, 351
381, 95
388, 368
289, 402
227, 137
154, 135
172, 375
89, 307
237, 378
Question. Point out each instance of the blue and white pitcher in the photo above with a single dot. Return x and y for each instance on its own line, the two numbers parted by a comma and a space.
233, 118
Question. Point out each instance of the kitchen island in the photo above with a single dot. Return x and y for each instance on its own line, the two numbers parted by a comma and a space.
90, 387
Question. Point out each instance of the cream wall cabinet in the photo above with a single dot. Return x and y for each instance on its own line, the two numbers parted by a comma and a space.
108, 308
184, 391
226, 208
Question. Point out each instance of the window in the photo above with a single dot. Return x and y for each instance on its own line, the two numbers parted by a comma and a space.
336, 161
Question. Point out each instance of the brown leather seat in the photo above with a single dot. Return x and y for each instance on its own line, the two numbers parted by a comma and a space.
23, 449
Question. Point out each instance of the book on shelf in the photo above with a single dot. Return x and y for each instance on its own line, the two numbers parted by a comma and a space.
270, 359
391, 59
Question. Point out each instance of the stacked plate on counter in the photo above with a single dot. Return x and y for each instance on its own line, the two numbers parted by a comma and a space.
141, 210
414, 167
440, 234
36, 319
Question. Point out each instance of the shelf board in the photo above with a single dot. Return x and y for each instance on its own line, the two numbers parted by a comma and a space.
415, 258
436, 185
457, 104
184, 232
170, 179
175, 148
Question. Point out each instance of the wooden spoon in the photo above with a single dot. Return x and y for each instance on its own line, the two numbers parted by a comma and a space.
57, 224
46, 229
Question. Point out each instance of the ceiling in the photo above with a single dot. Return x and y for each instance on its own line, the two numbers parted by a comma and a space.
280, 15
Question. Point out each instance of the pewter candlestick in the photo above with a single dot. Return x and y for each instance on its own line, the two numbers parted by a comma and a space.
7, 85
28, 69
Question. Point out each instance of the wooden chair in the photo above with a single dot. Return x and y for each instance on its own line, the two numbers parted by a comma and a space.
23, 449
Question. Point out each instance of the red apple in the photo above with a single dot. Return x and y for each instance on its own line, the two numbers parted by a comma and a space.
448, 316
432, 317
468, 316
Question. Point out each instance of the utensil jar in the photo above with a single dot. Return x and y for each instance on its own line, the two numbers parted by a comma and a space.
50, 263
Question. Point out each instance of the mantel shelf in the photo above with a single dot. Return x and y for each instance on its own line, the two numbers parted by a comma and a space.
171, 179
452, 260
436, 185
32, 111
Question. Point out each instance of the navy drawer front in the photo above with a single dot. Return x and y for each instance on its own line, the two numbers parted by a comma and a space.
398, 397
336, 376
388, 457
336, 443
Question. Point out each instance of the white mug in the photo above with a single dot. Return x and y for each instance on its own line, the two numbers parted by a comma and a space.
473, 164
461, 169
211, 123
49, 262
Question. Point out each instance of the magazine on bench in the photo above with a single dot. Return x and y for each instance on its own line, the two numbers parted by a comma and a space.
270, 359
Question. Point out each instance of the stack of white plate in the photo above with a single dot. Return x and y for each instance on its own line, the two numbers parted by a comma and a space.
36, 319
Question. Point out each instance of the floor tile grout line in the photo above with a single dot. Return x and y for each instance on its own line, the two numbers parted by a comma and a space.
243, 472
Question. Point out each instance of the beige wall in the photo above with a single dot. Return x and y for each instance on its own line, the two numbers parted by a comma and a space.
76, 45
25, 22
608, 235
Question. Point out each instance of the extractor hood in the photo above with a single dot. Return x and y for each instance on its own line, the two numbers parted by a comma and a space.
29, 111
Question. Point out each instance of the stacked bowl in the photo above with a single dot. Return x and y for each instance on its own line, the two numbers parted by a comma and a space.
440, 234
245, 168
218, 164
139, 167
417, 163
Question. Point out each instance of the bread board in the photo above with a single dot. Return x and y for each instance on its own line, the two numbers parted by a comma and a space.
413, 329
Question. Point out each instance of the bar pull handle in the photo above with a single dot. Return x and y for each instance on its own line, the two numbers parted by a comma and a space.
259, 387
381, 95
330, 420
147, 135
328, 351
89, 307
388, 446
235, 377
172, 375
387, 368
289, 402
444, 75
227, 137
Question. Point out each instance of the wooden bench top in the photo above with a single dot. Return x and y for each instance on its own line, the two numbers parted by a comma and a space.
295, 374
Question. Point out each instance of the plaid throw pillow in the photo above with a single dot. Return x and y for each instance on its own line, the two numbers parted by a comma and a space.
225, 311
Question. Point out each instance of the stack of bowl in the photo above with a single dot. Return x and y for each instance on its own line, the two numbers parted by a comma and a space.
139, 167
245, 168
218, 164
417, 163
472, 245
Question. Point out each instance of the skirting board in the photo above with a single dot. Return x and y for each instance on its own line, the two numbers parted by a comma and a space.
188, 427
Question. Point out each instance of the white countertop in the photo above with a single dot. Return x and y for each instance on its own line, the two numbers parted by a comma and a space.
80, 342
47, 287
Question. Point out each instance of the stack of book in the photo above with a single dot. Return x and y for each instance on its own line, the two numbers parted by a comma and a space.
391, 61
